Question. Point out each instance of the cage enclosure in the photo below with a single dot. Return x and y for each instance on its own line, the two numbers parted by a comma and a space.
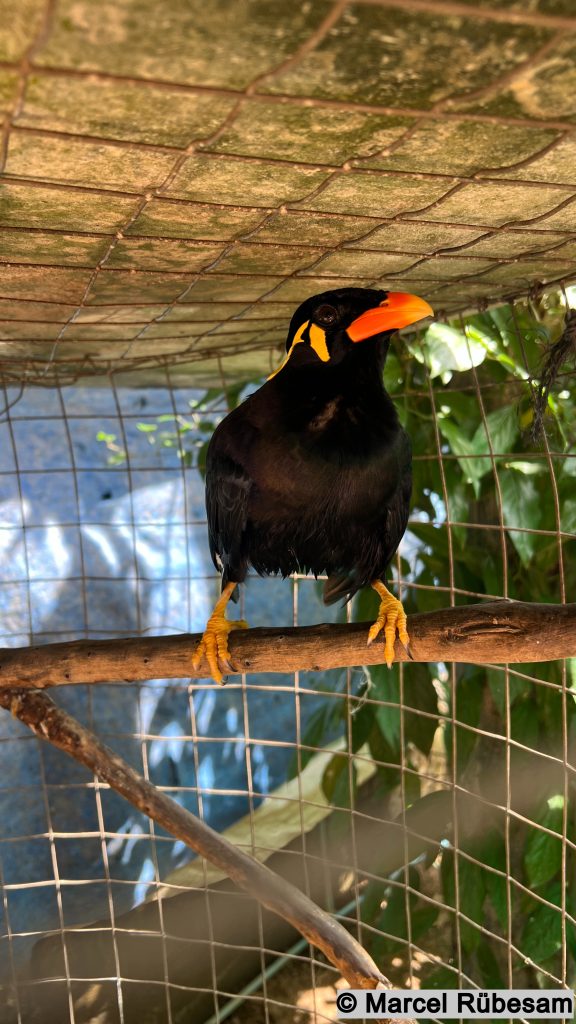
177, 179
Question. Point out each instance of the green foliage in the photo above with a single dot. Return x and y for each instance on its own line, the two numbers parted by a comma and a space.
543, 852
493, 475
397, 913
471, 386
542, 935
467, 878
188, 435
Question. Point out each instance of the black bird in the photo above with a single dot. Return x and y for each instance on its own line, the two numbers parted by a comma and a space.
312, 473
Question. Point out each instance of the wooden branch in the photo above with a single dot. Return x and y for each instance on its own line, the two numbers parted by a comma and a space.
495, 632
40, 713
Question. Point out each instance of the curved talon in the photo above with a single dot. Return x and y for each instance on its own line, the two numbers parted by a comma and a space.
391, 618
214, 645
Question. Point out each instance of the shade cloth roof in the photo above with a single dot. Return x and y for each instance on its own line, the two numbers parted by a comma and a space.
178, 176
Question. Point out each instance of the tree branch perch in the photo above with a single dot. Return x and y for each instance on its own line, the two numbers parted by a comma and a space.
49, 722
489, 633
484, 633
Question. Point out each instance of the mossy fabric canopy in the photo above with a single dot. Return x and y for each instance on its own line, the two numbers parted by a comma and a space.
178, 177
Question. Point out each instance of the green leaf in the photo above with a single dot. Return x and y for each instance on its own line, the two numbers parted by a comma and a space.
371, 903
206, 426
472, 893
521, 506
386, 688
365, 606
516, 688
458, 502
412, 785
209, 397
362, 722
442, 978
489, 966
146, 428
421, 920
572, 674
472, 469
428, 821
316, 728
496, 347
201, 458
447, 350
385, 758
493, 854
542, 935
497, 435
419, 694
568, 468
405, 913
469, 693
528, 468
233, 394
524, 721
568, 514
393, 918
338, 779
393, 373
543, 852
501, 427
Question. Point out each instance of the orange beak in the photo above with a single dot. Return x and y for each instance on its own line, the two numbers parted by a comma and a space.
399, 309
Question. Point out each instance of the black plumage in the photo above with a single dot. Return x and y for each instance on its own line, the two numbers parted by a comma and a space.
312, 473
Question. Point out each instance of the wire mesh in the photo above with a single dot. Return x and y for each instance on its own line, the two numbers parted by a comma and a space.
166, 217
164, 210
103, 534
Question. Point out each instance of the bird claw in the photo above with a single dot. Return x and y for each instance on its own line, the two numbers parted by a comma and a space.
214, 646
391, 619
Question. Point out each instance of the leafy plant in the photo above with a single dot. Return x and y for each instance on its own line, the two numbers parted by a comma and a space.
187, 435
491, 509
487, 511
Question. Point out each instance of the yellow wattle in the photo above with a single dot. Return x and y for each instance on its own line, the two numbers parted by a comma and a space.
297, 339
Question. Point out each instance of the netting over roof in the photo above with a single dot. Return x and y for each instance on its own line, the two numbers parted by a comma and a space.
179, 176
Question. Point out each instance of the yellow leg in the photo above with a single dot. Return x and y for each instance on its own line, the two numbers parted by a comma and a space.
214, 643
391, 617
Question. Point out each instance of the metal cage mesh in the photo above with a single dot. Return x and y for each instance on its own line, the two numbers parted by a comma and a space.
175, 181
91, 572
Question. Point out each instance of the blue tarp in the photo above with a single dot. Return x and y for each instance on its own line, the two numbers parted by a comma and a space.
93, 550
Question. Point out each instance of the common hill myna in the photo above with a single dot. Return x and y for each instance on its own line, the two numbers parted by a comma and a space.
312, 473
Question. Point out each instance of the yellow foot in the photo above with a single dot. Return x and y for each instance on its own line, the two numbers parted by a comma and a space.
214, 645
391, 618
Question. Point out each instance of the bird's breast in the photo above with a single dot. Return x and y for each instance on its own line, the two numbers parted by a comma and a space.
296, 475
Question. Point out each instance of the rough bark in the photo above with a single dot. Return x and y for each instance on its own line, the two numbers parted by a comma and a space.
495, 632
38, 711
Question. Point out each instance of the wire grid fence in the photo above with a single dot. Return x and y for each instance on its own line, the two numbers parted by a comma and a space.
136, 240
98, 550
159, 208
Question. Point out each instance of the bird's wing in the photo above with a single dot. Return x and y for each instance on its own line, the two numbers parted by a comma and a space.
395, 519
398, 512
228, 488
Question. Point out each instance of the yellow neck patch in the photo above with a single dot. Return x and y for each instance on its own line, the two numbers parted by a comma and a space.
317, 341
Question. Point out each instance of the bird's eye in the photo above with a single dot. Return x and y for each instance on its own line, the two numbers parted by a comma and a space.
326, 315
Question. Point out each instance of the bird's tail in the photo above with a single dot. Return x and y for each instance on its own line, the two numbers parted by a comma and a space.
341, 586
